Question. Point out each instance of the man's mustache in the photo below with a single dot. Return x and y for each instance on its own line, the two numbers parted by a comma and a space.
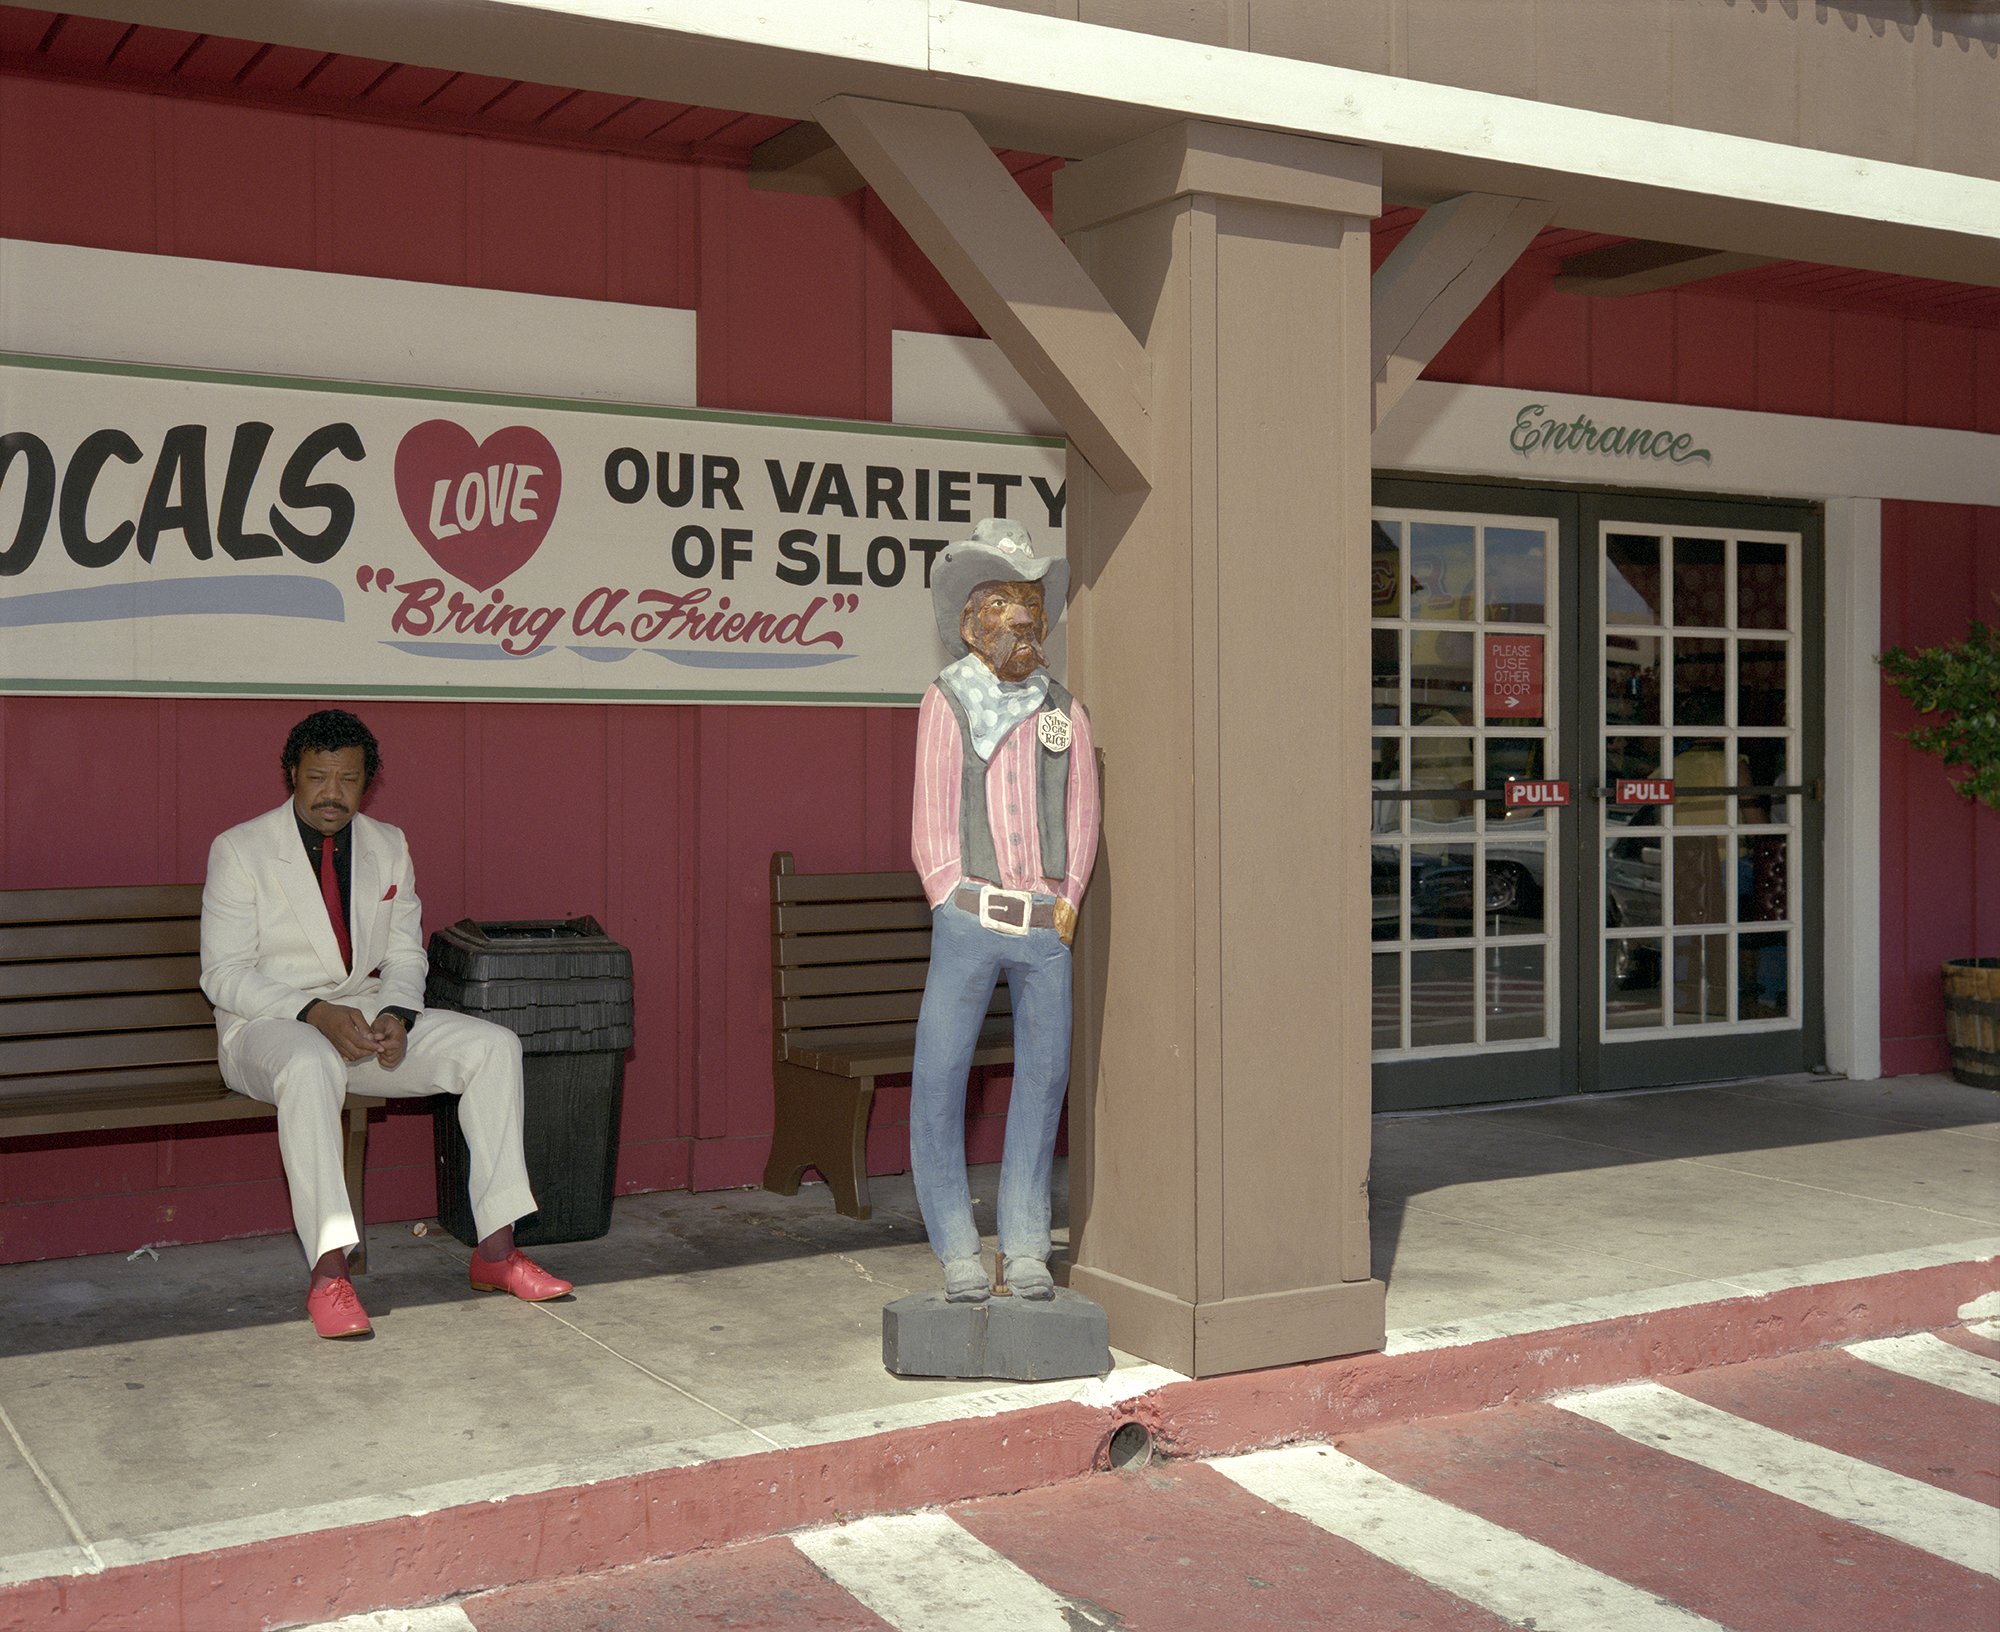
1006, 644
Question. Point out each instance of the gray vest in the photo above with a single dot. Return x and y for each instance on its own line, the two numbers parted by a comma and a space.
977, 857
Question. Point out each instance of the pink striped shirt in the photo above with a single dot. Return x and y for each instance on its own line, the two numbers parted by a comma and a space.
1010, 805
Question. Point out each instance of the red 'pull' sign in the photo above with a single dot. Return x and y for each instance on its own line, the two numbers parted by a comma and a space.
1633, 790
1537, 794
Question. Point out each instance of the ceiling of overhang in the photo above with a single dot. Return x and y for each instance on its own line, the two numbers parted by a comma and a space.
177, 62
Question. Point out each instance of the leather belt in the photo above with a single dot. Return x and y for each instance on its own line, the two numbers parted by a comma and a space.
1013, 912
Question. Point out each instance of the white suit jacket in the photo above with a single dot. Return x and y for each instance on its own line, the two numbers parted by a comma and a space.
267, 946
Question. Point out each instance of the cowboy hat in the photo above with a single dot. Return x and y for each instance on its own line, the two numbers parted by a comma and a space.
997, 552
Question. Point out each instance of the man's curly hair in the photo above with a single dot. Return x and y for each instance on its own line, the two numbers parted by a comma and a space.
331, 729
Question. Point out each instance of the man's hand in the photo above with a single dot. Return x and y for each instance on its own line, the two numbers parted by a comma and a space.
389, 1032
1065, 921
349, 1032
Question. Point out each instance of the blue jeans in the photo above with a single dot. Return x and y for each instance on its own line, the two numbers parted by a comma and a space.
966, 959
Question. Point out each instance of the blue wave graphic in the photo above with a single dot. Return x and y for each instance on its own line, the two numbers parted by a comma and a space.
604, 654
464, 649
267, 595
751, 660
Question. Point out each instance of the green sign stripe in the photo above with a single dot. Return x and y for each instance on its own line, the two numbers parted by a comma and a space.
494, 399
463, 694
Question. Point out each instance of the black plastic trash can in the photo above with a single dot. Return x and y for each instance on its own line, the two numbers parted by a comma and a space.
564, 988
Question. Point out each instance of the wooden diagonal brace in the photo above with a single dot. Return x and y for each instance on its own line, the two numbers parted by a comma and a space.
1435, 278
939, 178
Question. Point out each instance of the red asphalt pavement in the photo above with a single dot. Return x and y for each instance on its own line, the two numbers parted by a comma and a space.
1186, 1547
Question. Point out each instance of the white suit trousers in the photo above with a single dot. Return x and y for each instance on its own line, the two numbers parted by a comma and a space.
287, 1063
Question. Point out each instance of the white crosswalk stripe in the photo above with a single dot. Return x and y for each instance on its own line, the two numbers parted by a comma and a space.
1940, 1522
1930, 1359
436, 1618
921, 1572
1479, 1561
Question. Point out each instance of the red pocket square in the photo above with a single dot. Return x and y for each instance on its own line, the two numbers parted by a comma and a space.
390, 893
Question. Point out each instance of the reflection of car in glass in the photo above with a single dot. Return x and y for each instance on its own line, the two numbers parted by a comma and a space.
1632, 897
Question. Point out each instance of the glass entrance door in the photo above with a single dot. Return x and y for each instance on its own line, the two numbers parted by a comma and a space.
1595, 830
1705, 807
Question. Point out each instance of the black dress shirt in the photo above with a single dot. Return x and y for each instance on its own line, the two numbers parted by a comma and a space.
343, 876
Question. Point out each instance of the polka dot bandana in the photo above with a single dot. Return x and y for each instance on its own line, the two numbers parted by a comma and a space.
993, 706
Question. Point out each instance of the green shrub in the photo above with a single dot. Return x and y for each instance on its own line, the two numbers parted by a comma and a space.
1961, 684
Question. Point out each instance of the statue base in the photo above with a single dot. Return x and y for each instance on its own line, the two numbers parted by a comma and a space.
1013, 1338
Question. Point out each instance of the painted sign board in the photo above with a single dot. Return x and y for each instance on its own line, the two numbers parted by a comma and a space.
168, 531
1513, 677
1633, 790
1525, 795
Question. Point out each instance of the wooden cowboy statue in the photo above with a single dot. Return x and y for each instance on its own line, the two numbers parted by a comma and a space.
1004, 832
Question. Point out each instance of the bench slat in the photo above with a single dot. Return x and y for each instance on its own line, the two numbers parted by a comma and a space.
154, 1109
36, 942
995, 1047
38, 1054
843, 917
81, 977
876, 946
825, 979
791, 887
145, 1011
94, 905
140, 1081
865, 1008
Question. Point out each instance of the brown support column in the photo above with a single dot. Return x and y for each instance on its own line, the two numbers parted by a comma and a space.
1219, 637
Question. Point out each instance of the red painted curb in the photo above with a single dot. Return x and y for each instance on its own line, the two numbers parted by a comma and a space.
405, 1562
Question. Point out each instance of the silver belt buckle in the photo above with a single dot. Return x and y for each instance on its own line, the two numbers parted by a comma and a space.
1005, 910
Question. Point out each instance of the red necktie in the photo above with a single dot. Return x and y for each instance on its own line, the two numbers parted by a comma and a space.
329, 889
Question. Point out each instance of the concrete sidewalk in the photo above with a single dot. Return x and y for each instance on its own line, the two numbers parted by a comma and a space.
180, 1450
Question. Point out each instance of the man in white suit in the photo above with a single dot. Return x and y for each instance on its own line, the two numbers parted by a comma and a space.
312, 952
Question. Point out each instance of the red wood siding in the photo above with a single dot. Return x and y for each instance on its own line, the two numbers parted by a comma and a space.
1940, 852
660, 820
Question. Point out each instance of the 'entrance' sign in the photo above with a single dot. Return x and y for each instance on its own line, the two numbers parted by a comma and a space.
1633, 790
1523, 794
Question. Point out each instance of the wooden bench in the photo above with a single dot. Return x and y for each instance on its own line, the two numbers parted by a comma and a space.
849, 952
103, 1023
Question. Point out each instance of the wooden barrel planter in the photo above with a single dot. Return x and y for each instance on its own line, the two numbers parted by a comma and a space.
1972, 1019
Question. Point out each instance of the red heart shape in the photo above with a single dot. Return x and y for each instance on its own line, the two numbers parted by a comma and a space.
452, 489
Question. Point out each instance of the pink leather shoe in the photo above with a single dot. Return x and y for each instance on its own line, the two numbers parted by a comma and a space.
336, 1311
519, 1274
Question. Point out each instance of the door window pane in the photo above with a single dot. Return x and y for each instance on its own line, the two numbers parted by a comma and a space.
1442, 763
1385, 578
1632, 880
1761, 682
1442, 571
1632, 983
1702, 762
1441, 998
1442, 881
1762, 880
1701, 979
1630, 757
1699, 583
1388, 995
1699, 895
1763, 976
1517, 575
1631, 578
1442, 678
1385, 884
1761, 594
1701, 676
1387, 645
1515, 994
1514, 879
1632, 680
